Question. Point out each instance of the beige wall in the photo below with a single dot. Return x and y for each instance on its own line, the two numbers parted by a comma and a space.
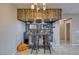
62, 31
8, 29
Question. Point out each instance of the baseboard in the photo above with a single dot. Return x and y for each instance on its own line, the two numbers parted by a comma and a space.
74, 44
14, 52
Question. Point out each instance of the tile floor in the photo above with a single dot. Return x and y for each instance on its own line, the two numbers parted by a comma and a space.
59, 50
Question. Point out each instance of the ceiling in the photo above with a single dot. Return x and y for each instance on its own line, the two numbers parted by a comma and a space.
71, 8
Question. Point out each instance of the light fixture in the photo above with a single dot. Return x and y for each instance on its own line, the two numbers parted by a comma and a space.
32, 6
35, 3
44, 6
38, 6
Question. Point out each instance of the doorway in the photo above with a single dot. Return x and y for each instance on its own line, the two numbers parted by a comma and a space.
65, 31
68, 31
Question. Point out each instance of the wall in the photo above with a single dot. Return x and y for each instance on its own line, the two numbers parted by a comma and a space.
20, 31
56, 32
9, 30
62, 31
75, 27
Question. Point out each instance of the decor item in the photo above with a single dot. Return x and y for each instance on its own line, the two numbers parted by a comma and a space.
22, 47
38, 6
25, 14
38, 11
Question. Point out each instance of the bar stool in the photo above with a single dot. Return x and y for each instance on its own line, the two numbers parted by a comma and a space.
35, 41
46, 43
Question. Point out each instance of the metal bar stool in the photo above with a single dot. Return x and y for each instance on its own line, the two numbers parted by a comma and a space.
46, 43
35, 42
